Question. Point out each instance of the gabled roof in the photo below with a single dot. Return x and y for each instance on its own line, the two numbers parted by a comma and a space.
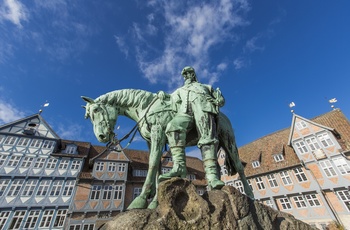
42, 128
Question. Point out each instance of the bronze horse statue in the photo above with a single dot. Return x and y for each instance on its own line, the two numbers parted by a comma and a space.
152, 115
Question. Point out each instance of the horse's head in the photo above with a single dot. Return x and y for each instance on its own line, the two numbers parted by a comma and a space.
103, 118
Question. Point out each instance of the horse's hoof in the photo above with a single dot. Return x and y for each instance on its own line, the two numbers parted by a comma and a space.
216, 184
153, 205
138, 203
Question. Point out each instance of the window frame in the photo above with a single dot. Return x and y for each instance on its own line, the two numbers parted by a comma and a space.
286, 177
300, 174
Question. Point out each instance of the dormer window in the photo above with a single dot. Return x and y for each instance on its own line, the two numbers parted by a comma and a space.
71, 149
278, 157
256, 164
301, 125
168, 159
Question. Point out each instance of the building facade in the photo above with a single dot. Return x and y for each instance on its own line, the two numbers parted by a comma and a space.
303, 170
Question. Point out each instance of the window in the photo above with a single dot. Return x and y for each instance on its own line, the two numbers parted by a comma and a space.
56, 188
10, 140
46, 219
301, 147
239, 186
99, 166
278, 157
139, 173
2, 159
3, 185
95, 192
43, 187
285, 203
71, 149
23, 141
299, 201
191, 176
299, 174
13, 162
301, 125
167, 159
74, 227
60, 218
165, 170
63, 164
312, 199
312, 143
15, 187
345, 197
32, 219
342, 165
137, 192
17, 219
268, 203
75, 165
48, 144
68, 188
39, 163
112, 166
2, 137
325, 140
259, 183
3, 218
285, 178
29, 188
36, 143
223, 170
272, 180
250, 184
51, 163
118, 191
26, 162
121, 167
328, 168
107, 192
88, 226
256, 164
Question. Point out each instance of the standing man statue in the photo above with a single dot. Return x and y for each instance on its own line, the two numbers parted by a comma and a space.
197, 106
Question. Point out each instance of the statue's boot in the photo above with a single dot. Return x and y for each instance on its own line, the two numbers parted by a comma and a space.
179, 165
210, 167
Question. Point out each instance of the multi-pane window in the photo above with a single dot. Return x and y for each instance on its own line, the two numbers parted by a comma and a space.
112, 166
255, 164
165, 170
137, 192
223, 170
48, 144
325, 140
191, 177
15, 187
68, 188
43, 187
17, 219
36, 143
328, 168
88, 226
95, 192
301, 147
3, 185
56, 188
299, 174
99, 166
312, 143
39, 163
71, 149
10, 140
2, 159
139, 173
345, 197
121, 167
3, 218
286, 178
60, 218
278, 157
301, 125
63, 164
30, 187
74, 227
51, 163
118, 191
342, 165
272, 180
312, 200
239, 186
259, 183
26, 162
46, 218
2, 137
250, 184
23, 141
13, 161
107, 192
268, 203
299, 201
75, 165
32, 219
285, 203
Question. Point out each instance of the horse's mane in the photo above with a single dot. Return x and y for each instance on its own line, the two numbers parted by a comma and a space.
126, 97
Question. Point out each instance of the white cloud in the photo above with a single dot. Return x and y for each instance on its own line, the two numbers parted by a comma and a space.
122, 46
194, 152
70, 132
9, 112
13, 11
240, 63
251, 44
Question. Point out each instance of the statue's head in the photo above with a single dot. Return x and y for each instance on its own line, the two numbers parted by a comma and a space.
188, 72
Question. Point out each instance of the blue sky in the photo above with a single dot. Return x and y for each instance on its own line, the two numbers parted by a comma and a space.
263, 55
